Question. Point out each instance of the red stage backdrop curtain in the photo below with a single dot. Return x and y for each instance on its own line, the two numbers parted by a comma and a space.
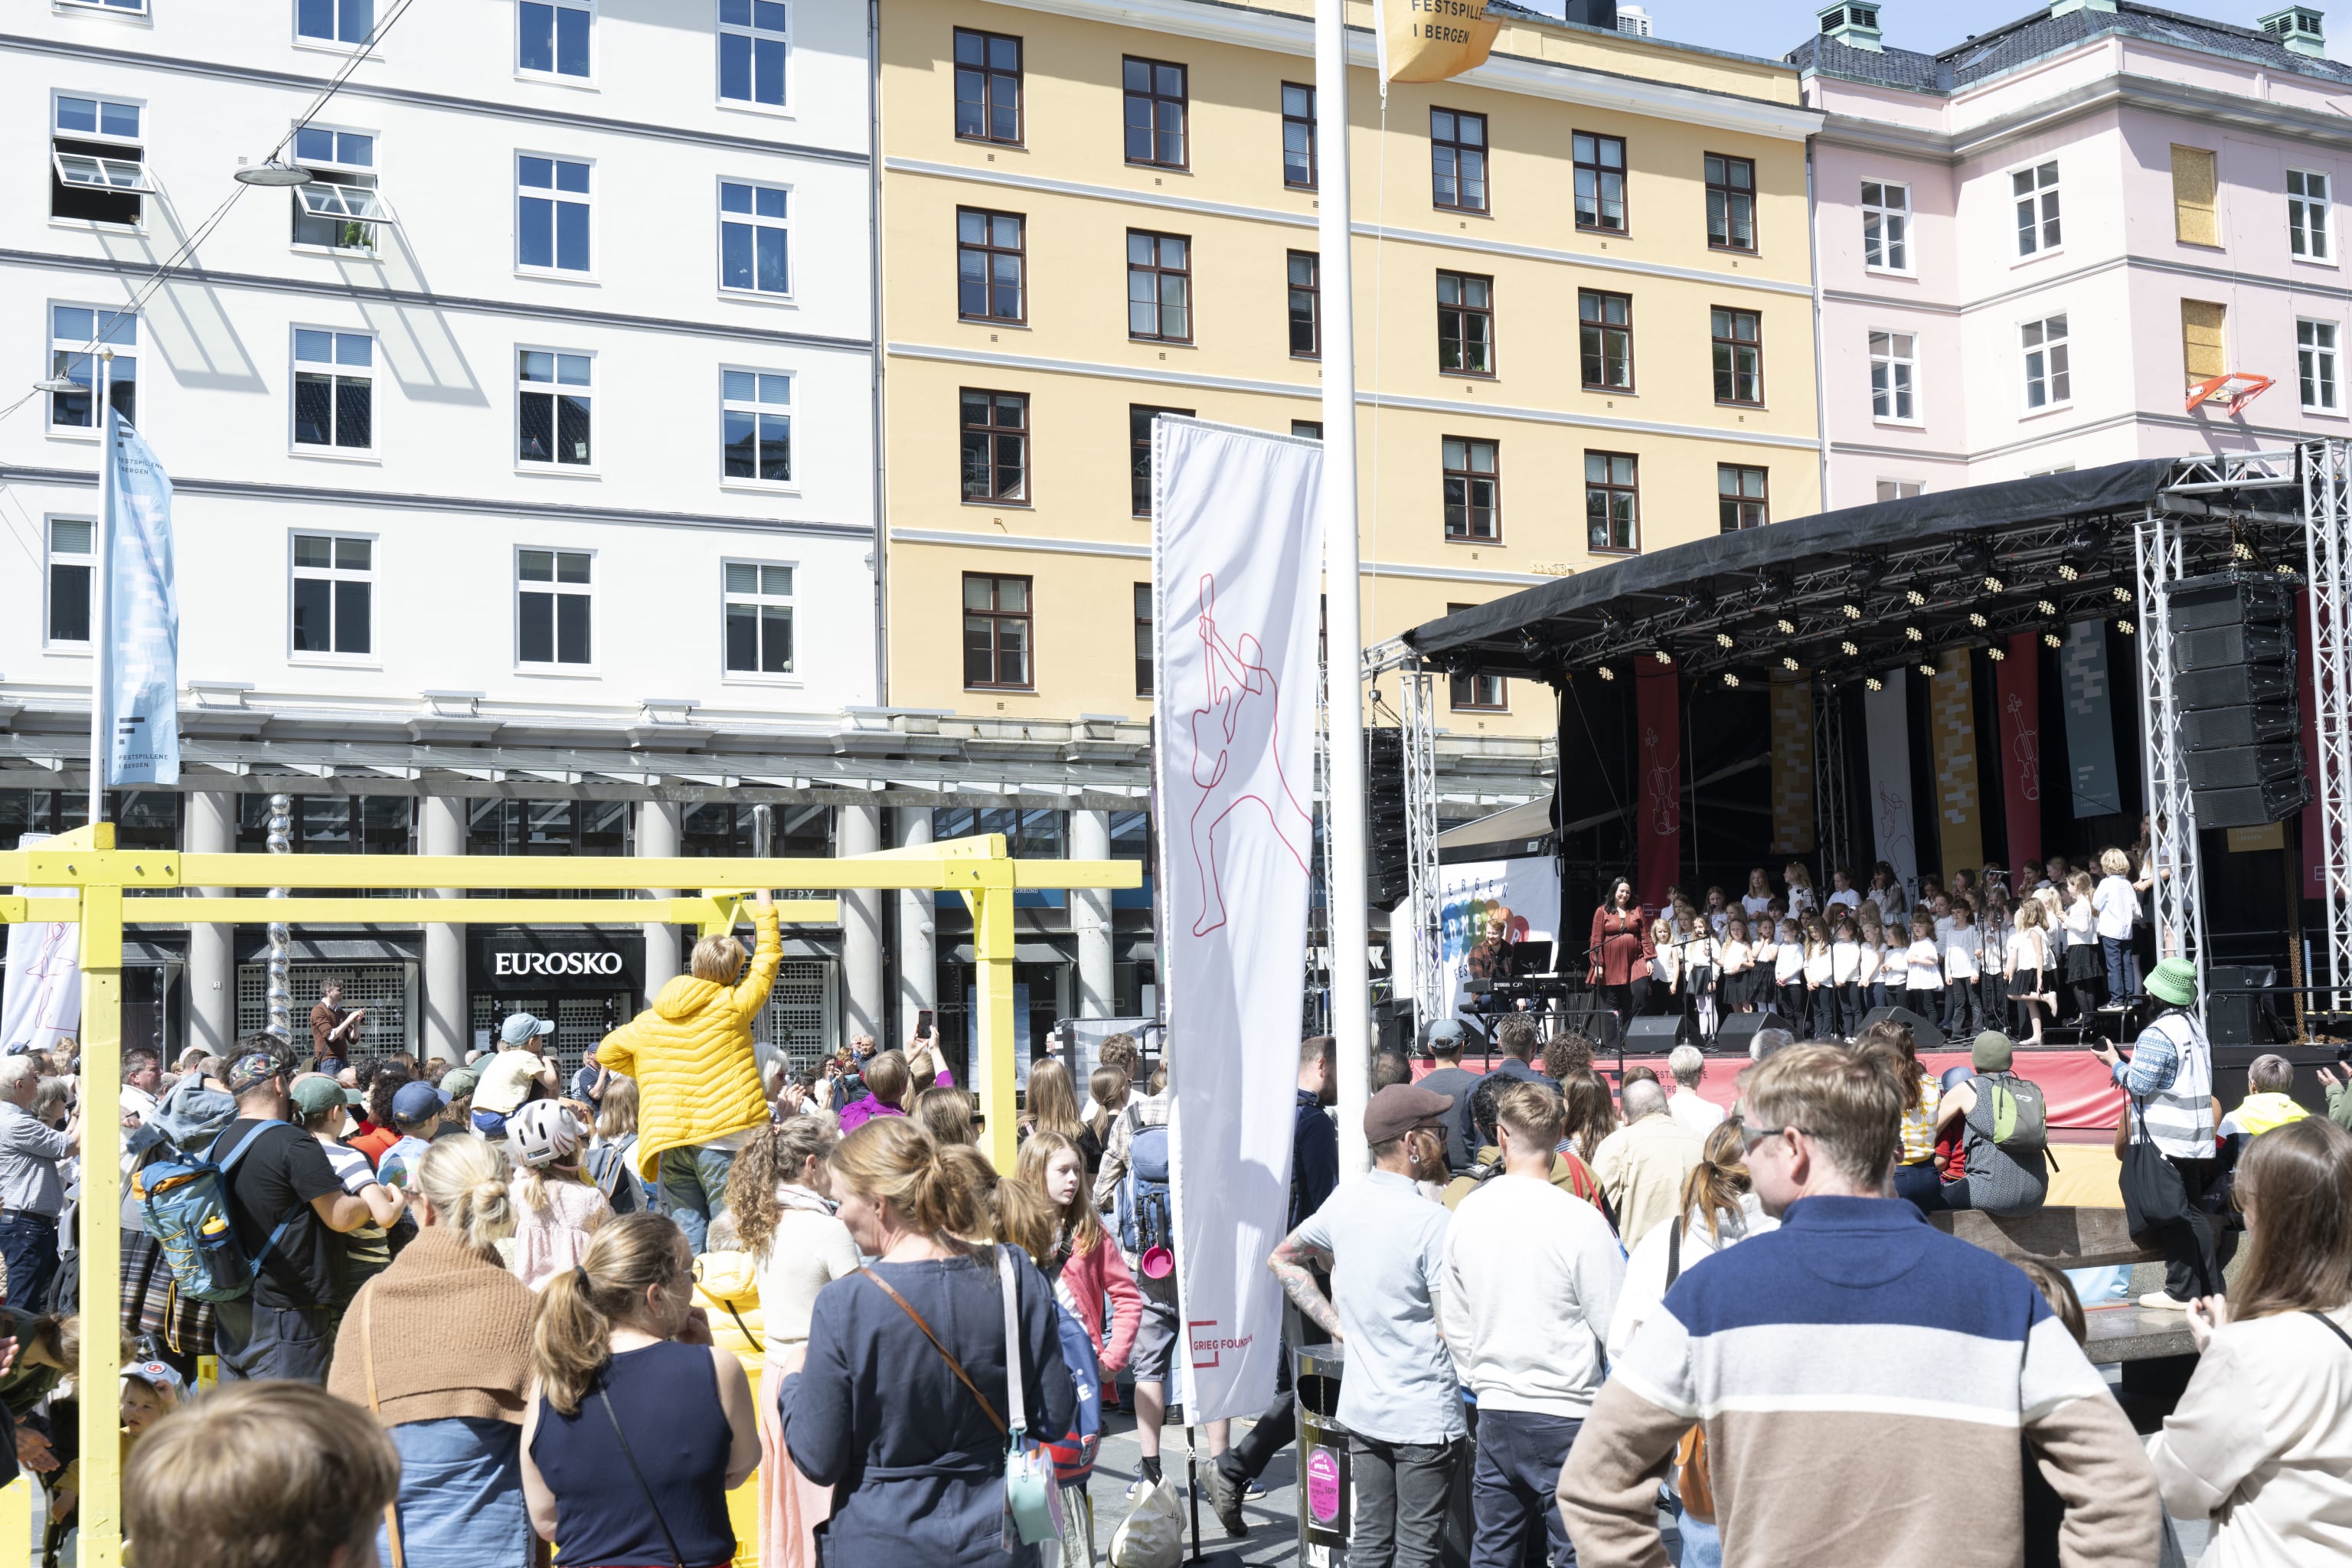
1658, 747
2017, 689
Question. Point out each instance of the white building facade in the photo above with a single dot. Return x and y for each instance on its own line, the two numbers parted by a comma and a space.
526, 459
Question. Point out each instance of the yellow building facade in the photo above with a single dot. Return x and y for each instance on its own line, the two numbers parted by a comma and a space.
1583, 321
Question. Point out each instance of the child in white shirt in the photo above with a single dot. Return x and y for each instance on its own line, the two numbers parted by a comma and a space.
1820, 1001
1789, 974
1737, 988
1963, 947
1845, 979
1923, 968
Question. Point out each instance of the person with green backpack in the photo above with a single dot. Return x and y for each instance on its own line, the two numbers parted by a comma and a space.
2005, 1144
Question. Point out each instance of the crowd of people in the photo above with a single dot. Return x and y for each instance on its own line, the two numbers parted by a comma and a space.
489, 1308
2052, 947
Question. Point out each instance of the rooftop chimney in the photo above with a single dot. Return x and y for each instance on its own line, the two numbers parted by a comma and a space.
1853, 23
2298, 29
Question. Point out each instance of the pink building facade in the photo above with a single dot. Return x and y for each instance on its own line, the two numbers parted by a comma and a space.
2029, 248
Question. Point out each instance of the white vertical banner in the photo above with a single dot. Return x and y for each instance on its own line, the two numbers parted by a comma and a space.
1237, 554
1886, 719
40, 997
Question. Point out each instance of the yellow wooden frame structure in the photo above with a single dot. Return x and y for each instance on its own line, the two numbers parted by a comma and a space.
109, 889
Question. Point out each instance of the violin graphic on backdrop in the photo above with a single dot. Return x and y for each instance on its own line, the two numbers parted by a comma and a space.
1665, 800
2025, 750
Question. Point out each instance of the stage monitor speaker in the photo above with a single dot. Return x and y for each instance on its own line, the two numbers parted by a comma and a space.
1600, 1025
2244, 767
2243, 686
2240, 1019
2272, 800
1925, 1035
2228, 599
2218, 729
1738, 1034
1653, 1036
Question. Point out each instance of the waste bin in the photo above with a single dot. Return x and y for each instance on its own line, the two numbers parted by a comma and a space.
1324, 1494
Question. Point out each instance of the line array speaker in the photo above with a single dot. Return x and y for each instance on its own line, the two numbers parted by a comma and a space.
2234, 677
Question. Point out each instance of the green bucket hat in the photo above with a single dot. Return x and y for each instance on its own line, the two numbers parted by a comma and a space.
2174, 980
1992, 1052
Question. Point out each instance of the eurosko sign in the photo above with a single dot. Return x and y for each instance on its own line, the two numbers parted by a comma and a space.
525, 964
519, 965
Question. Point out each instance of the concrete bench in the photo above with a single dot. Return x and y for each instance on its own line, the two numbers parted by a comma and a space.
2121, 1332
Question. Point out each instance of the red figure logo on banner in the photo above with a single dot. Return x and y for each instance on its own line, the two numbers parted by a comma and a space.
1234, 748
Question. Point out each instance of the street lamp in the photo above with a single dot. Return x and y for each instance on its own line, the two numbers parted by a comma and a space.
273, 173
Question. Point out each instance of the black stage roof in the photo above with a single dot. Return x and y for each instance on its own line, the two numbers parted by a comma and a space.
1841, 593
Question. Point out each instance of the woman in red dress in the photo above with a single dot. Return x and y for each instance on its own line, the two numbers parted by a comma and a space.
1621, 952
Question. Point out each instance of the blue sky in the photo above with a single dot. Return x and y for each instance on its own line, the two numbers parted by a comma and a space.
1772, 28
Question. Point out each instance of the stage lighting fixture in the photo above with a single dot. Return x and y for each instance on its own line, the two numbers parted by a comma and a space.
2051, 639
1873, 683
2045, 607
1914, 634
2284, 570
1729, 678
1851, 650
1978, 621
1853, 611
2241, 551
1723, 639
1927, 669
1787, 629
1607, 673
1996, 654
2123, 596
2124, 627
2068, 573
1662, 656
1916, 599
1993, 582
1788, 664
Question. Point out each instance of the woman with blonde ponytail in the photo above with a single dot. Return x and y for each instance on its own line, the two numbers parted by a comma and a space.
909, 1430
452, 1403
638, 1426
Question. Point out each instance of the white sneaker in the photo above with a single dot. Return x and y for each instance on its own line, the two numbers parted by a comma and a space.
2157, 1301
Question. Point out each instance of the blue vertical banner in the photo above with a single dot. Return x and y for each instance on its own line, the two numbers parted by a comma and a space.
143, 617
2090, 719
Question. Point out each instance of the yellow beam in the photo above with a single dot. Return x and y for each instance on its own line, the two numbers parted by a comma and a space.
1000, 1035
459, 911
15, 911
585, 872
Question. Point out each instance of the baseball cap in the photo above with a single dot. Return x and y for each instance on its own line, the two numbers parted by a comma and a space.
417, 1100
160, 1376
1399, 1108
253, 1069
1444, 1037
521, 1026
457, 1085
314, 1093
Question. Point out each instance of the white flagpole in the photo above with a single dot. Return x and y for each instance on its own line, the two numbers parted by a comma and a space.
101, 579
1344, 813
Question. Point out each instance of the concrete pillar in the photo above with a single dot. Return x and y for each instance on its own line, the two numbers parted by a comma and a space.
658, 826
448, 1008
918, 971
1090, 917
860, 832
212, 949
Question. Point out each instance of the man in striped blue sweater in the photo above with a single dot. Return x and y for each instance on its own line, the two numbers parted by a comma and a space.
1863, 1378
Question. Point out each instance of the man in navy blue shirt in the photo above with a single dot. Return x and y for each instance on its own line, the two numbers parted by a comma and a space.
1314, 1172
1518, 1038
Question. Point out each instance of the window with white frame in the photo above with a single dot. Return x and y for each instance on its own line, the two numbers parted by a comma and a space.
2314, 364
2047, 381
334, 389
756, 417
1898, 489
340, 207
553, 395
551, 37
1885, 226
2306, 213
759, 613
76, 333
554, 603
755, 43
98, 169
1891, 368
334, 21
128, 7
334, 594
551, 201
2035, 193
754, 237
69, 581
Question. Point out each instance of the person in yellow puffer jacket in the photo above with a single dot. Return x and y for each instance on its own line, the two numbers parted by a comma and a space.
2270, 1102
699, 1093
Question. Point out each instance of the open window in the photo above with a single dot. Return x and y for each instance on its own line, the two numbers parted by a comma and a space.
339, 208
98, 170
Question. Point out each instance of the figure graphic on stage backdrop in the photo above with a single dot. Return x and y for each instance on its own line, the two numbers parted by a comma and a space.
1894, 826
2025, 750
1665, 799
1233, 743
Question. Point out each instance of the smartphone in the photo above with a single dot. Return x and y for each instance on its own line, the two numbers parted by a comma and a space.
922, 1023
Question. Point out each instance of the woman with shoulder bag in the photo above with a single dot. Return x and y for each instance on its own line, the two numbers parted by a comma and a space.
904, 1406
452, 1403
638, 1427
2261, 1441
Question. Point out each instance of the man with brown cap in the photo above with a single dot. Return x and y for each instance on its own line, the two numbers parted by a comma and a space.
1383, 1243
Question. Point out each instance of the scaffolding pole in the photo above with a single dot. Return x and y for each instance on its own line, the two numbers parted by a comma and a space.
2175, 889
2328, 564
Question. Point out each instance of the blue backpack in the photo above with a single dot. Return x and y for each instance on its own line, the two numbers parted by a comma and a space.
185, 1203
1147, 1214
1074, 1451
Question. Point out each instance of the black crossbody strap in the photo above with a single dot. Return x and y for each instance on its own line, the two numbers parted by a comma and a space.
677, 1557
2331, 1326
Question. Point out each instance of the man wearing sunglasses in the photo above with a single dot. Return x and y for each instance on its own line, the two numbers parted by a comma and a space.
1823, 1358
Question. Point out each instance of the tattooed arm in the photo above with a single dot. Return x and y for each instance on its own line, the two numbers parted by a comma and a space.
1294, 1256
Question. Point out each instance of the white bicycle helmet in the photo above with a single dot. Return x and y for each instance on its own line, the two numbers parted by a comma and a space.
542, 1134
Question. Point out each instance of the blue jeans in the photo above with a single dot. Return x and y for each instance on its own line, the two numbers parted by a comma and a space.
1514, 1490
694, 1188
1920, 1185
258, 1342
29, 1243
2118, 952
1702, 1541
